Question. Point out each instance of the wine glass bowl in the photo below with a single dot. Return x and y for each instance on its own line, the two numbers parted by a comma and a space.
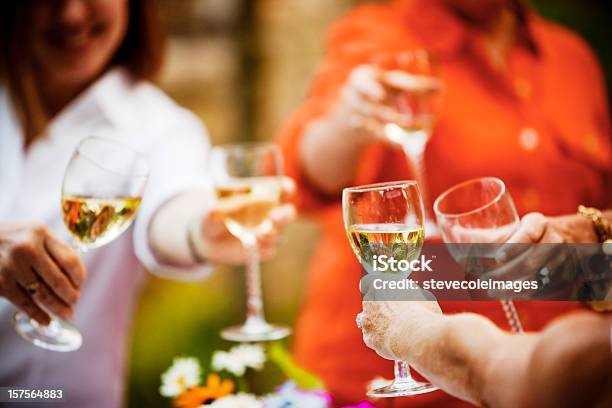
476, 209
413, 91
102, 190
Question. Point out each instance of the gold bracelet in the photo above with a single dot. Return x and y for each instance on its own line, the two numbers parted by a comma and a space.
602, 227
603, 230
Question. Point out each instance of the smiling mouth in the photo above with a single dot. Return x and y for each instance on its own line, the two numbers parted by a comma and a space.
74, 40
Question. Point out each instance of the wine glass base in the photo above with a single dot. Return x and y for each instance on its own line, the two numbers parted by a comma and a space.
253, 333
59, 335
402, 389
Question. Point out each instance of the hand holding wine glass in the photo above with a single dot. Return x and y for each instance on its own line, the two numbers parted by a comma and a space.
102, 189
386, 219
218, 245
394, 98
249, 188
37, 268
388, 325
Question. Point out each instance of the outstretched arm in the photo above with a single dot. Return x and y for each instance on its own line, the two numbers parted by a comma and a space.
567, 364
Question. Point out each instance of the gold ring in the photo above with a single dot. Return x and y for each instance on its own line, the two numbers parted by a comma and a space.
32, 288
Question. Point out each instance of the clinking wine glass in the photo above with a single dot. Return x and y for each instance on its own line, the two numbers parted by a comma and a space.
101, 192
248, 185
479, 211
387, 219
413, 91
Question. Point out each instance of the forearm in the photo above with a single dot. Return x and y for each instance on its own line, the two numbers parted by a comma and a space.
568, 364
452, 351
330, 151
571, 363
171, 225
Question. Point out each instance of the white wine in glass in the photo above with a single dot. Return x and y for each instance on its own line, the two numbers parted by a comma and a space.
387, 219
101, 192
402, 241
246, 203
248, 185
96, 221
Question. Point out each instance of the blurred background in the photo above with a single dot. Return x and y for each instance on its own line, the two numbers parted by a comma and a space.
242, 66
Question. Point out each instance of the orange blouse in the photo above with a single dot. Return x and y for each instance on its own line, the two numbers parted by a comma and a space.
542, 125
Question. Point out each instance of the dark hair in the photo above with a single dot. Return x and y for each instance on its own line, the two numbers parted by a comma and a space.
141, 52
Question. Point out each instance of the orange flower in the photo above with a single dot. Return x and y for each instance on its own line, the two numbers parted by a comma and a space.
198, 395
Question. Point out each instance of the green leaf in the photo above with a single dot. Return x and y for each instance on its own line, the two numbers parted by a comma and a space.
282, 358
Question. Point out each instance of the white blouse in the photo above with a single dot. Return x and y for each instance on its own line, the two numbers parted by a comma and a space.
176, 146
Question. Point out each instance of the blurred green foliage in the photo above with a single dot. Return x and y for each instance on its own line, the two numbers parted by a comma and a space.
590, 19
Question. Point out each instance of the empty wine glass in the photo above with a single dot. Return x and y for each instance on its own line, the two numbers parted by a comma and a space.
479, 211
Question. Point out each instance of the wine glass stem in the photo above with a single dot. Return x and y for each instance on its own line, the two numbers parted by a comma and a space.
253, 281
402, 371
415, 153
512, 316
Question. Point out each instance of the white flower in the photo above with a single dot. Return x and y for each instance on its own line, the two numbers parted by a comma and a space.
182, 375
377, 382
225, 360
251, 355
239, 358
237, 401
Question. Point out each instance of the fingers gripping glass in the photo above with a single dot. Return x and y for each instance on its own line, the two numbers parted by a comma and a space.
479, 211
101, 192
377, 218
248, 184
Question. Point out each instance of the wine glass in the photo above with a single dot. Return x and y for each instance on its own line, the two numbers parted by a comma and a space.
479, 211
412, 90
387, 219
101, 192
248, 185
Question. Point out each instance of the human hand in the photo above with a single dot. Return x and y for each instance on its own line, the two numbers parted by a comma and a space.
39, 272
388, 325
373, 97
551, 264
220, 246
537, 228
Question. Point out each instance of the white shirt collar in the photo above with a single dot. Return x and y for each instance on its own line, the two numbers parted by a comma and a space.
100, 104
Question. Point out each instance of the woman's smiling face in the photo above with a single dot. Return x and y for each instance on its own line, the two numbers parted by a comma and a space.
72, 41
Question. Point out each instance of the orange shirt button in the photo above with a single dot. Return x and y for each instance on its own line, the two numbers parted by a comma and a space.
522, 87
529, 139
531, 199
